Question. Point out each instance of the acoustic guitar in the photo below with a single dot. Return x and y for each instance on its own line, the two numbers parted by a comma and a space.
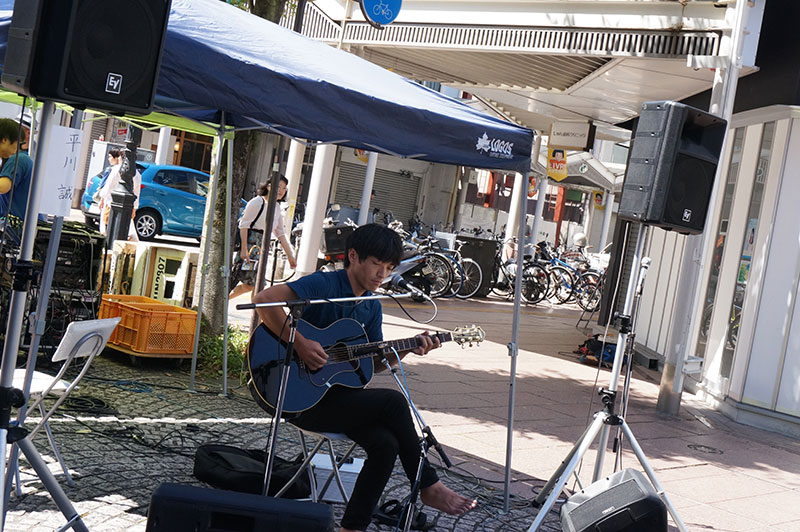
345, 343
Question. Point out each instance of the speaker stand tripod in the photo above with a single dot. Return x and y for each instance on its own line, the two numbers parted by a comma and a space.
607, 418
10, 397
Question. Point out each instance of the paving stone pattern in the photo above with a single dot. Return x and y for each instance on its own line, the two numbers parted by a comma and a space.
128, 429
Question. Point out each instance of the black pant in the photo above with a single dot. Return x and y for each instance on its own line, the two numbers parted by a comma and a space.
378, 420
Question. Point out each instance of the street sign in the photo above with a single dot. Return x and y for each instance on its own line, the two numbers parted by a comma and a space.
572, 135
381, 12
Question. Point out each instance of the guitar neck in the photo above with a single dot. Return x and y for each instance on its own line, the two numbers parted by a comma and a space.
353, 352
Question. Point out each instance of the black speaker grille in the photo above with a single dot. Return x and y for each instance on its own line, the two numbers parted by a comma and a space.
113, 55
689, 192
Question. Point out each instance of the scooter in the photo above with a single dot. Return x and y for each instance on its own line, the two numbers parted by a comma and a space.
413, 267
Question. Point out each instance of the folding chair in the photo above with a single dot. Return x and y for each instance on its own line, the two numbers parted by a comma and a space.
82, 339
326, 439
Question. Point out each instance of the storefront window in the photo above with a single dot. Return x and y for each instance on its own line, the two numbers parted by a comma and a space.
719, 246
748, 245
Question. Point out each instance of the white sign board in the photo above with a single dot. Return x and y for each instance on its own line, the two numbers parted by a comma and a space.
571, 135
60, 164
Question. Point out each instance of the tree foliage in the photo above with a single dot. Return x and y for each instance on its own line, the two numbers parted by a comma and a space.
243, 147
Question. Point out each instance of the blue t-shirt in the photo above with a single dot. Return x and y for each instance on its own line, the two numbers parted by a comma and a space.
323, 285
21, 184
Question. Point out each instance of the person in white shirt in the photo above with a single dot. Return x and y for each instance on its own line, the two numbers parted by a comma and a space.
251, 229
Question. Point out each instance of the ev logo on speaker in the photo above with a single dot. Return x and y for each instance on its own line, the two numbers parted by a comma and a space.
687, 215
114, 83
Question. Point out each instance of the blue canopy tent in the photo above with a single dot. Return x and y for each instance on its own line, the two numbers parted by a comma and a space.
226, 67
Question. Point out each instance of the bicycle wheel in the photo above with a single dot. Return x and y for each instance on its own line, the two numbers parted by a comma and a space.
503, 280
588, 291
563, 282
278, 269
440, 272
535, 283
458, 277
473, 277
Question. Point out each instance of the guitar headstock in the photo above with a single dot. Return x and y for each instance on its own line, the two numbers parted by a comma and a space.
470, 334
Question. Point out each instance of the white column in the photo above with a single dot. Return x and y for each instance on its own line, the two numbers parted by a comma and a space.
520, 189
165, 149
609, 200
689, 295
541, 187
318, 191
294, 169
366, 194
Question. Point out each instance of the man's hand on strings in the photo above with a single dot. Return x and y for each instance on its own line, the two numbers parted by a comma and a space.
310, 352
426, 343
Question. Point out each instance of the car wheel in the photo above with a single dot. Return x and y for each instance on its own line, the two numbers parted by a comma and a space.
148, 224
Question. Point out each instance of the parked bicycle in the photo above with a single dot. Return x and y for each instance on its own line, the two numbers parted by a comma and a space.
535, 281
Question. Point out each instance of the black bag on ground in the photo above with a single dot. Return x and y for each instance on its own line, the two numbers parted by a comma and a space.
230, 468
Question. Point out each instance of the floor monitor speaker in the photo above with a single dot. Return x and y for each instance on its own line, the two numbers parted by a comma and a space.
623, 502
671, 167
103, 54
183, 508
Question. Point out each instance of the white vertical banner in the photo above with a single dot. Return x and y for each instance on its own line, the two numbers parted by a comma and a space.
63, 149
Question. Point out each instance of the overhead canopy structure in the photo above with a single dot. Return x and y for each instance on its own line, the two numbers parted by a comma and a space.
219, 58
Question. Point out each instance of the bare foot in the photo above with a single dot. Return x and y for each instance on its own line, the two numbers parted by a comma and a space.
448, 501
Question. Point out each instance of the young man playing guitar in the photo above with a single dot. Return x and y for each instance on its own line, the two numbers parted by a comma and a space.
377, 419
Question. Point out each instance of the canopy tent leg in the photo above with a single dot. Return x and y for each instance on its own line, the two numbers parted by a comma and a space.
315, 208
366, 194
226, 266
519, 198
219, 142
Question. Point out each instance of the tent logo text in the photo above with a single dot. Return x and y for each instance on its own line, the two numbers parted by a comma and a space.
498, 148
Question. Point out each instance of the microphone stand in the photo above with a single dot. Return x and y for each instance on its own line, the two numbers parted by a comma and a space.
296, 308
427, 441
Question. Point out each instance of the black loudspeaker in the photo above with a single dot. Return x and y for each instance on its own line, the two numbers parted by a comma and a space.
671, 167
623, 502
103, 54
181, 508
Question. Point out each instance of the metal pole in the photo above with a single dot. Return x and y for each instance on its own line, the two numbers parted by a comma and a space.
212, 186
366, 193
622, 340
520, 186
226, 266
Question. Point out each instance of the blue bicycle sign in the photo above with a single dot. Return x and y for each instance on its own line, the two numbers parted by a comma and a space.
381, 12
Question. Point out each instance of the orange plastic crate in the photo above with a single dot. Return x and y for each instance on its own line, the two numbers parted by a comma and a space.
110, 308
156, 328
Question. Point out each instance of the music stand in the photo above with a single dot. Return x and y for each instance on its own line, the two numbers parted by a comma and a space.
605, 419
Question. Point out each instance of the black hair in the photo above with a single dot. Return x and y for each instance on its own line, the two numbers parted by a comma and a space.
115, 152
373, 240
9, 130
263, 188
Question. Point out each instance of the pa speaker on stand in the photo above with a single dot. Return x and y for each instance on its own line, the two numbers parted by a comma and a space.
671, 167
103, 54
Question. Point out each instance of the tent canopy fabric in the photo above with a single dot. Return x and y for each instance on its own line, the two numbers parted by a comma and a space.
222, 59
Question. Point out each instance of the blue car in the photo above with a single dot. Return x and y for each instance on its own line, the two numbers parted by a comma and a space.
172, 201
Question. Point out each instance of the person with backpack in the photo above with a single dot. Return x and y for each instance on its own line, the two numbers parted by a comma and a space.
251, 230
